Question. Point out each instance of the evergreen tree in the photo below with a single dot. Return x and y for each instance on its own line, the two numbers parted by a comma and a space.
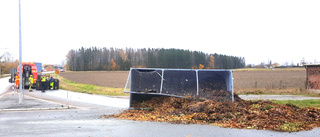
85, 59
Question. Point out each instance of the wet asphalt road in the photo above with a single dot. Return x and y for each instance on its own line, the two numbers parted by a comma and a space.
83, 119
84, 123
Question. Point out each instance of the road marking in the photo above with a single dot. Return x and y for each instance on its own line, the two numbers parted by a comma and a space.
34, 109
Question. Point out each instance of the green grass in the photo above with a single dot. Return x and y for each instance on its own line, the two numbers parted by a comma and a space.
86, 88
301, 92
300, 103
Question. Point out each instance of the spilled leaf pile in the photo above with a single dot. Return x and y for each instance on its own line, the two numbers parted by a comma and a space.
240, 114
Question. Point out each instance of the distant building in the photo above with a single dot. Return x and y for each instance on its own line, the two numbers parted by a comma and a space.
275, 65
313, 77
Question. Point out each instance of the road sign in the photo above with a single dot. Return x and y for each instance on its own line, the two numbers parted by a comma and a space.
13, 71
57, 71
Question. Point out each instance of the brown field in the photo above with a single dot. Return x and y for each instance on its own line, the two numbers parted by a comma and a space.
269, 81
115, 79
245, 81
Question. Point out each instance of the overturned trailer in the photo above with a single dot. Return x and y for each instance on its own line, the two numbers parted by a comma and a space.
146, 83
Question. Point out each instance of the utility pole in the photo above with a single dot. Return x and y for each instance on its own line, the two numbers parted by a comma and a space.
20, 58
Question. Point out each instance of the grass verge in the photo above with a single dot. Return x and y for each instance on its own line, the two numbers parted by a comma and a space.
300, 103
86, 88
291, 91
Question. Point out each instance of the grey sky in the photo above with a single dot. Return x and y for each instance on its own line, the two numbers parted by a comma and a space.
277, 30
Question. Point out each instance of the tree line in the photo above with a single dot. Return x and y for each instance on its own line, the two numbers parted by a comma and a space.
93, 59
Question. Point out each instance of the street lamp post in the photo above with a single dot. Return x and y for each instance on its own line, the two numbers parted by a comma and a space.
20, 58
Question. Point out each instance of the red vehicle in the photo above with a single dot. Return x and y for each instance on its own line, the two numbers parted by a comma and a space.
28, 68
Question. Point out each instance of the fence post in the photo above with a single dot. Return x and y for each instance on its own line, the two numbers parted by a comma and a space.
13, 85
256, 84
67, 98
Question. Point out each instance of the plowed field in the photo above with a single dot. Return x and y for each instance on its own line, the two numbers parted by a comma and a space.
116, 79
281, 80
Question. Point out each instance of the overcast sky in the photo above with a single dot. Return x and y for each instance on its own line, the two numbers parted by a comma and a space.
259, 30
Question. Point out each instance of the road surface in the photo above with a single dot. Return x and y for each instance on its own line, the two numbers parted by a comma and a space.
4, 84
84, 119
